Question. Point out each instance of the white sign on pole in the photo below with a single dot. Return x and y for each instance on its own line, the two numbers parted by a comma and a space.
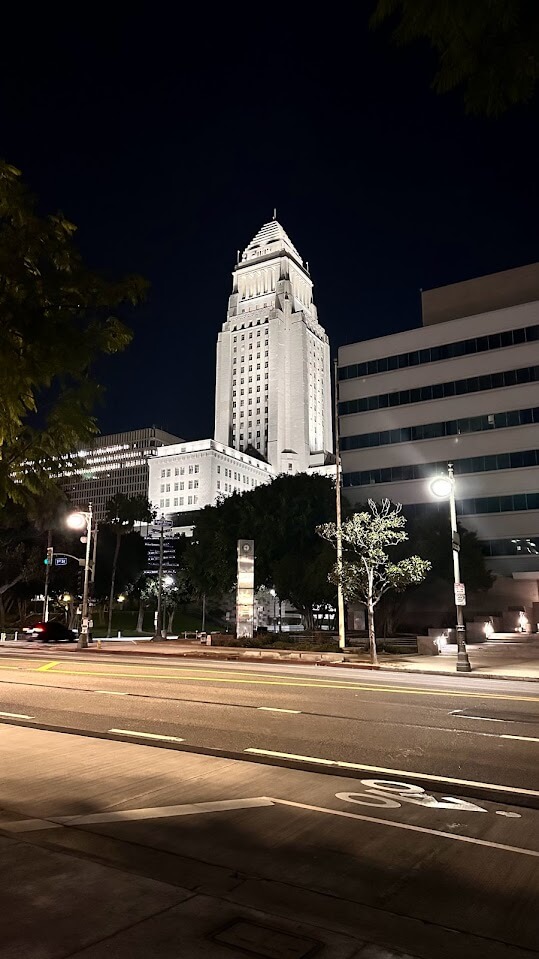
245, 589
460, 594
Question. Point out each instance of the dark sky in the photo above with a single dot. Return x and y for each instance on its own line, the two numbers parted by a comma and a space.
170, 141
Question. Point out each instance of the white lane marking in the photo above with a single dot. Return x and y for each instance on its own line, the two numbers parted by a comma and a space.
510, 815
397, 772
524, 739
135, 732
274, 709
110, 692
483, 719
409, 827
16, 715
133, 815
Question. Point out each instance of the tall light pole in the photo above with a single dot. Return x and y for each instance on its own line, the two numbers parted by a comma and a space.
444, 488
338, 510
79, 520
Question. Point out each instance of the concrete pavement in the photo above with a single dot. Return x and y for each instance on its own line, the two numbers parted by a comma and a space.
185, 855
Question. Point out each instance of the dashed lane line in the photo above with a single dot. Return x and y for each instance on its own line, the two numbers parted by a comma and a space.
16, 715
144, 735
524, 739
340, 764
275, 709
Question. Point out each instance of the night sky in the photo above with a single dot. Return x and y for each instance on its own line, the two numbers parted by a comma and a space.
169, 143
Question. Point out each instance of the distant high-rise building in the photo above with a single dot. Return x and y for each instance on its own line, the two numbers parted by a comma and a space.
273, 384
117, 463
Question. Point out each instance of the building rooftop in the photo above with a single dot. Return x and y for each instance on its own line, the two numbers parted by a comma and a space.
271, 238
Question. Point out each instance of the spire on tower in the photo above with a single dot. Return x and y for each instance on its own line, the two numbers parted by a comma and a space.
274, 212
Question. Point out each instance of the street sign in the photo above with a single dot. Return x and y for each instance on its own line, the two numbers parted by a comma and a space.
460, 594
162, 522
60, 560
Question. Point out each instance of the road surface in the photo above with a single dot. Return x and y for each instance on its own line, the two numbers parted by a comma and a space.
385, 808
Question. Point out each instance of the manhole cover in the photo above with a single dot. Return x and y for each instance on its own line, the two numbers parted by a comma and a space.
264, 941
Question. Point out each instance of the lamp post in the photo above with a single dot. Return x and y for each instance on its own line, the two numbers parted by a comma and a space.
444, 488
273, 593
79, 520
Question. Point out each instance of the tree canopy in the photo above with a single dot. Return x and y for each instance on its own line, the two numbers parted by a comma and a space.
56, 320
367, 571
281, 517
489, 48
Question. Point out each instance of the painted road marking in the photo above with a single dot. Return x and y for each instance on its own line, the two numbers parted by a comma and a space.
232, 678
190, 809
524, 739
135, 732
46, 666
407, 826
16, 715
133, 815
394, 772
274, 709
484, 719
109, 692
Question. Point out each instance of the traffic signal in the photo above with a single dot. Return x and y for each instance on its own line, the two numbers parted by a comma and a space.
50, 554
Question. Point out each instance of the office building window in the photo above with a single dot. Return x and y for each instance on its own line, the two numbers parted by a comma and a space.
436, 391
429, 431
446, 351
425, 471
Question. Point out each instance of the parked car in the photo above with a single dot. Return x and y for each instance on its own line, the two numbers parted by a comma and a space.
52, 632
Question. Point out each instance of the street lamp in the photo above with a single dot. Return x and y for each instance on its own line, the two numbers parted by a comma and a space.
444, 488
79, 520
273, 593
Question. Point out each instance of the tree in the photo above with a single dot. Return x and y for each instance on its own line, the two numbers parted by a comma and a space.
56, 322
488, 47
367, 572
122, 514
282, 518
431, 537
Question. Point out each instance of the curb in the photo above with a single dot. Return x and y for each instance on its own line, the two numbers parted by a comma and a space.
294, 662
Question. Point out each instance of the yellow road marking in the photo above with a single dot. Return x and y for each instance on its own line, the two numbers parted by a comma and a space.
47, 666
308, 684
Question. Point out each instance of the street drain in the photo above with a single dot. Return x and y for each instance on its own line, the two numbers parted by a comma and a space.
264, 941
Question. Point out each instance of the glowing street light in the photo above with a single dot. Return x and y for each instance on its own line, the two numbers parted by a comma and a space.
444, 488
79, 520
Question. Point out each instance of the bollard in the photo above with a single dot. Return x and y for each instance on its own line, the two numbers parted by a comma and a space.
99, 642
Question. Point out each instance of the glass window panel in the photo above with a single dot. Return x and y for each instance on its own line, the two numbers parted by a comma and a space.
470, 346
506, 338
393, 399
490, 463
393, 363
449, 389
532, 333
526, 416
372, 366
523, 376
413, 358
385, 475
383, 401
382, 364
532, 500
528, 458
481, 344
437, 391
424, 356
494, 341
519, 501
510, 378
503, 461
519, 336
372, 402
403, 361
404, 397
435, 354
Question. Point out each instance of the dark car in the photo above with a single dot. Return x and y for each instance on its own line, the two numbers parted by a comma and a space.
52, 632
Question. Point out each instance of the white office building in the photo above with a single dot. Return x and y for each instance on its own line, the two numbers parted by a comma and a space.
186, 477
116, 463
463, 388
273, 384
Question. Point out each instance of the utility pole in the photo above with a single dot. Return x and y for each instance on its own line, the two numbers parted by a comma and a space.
203, 612
463, 662
83, 638
47, 579
338, 510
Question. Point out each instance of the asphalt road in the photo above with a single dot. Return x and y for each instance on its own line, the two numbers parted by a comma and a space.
225, 779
